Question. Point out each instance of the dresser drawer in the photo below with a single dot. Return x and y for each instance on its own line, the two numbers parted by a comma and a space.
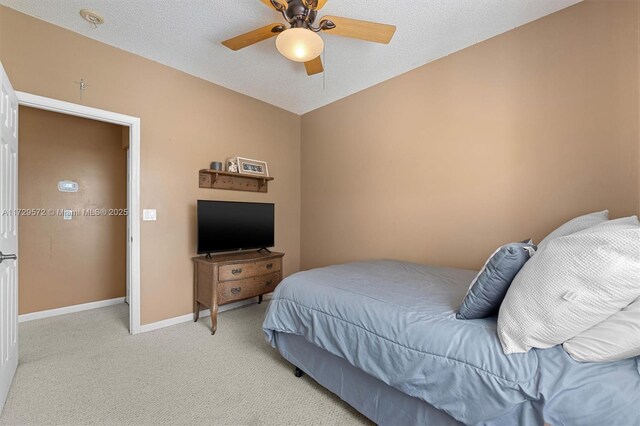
250, 287
246, 270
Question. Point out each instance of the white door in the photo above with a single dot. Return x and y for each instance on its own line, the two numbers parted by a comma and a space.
8, 236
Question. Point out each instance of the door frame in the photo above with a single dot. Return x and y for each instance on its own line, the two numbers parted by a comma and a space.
133, 184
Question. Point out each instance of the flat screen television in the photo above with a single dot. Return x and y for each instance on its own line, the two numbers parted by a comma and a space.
229, 226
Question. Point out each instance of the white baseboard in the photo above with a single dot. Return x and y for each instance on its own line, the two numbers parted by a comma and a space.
203, 314
69, 309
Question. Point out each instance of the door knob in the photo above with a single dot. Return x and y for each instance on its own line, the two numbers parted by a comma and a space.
4, 257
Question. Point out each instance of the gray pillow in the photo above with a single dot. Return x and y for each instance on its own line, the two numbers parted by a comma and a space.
492, 282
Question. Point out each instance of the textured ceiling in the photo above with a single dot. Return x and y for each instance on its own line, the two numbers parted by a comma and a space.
186, 35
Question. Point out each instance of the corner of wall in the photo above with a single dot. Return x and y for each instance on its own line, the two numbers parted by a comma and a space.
638, 104
300, 141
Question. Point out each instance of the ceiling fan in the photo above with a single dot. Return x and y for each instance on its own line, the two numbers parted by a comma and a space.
301, 42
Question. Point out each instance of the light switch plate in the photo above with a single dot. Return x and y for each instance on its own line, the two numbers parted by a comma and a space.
149, 214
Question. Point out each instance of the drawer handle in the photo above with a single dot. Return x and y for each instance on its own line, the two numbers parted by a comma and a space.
237, 271
269, 283
236, 290
269, 265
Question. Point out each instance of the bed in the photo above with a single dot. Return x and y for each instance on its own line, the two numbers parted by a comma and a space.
383, 336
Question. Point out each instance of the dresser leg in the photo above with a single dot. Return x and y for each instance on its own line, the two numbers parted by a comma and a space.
298, 372
214, 305
259, 299
196, 304
214, 319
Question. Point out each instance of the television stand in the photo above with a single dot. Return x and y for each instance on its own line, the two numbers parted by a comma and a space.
227, 278
265, 249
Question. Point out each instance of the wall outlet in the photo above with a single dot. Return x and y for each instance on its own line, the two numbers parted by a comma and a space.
149, 214
67, 215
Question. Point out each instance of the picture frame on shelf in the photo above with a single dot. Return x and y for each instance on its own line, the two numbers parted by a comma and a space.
232, 165
247, 166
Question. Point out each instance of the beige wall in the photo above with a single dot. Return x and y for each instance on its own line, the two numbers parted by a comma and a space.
64, 263
186, 123
499, 142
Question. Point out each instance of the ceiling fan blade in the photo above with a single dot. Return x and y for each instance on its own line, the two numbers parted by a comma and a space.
253, 37
314, 66
363, 30
280, 4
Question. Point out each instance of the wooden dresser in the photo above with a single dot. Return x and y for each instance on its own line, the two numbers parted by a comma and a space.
228, 278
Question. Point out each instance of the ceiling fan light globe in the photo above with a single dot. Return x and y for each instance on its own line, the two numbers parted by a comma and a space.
299, 44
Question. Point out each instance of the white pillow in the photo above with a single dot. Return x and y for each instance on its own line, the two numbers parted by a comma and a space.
616, 338
570, 285
578, 224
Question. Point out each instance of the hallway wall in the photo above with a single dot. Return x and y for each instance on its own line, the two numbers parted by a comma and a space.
69, 262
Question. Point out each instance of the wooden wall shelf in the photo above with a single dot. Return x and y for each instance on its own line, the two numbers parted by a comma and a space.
216, 179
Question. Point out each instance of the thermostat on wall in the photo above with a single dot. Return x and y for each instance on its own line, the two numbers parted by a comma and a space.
67, 186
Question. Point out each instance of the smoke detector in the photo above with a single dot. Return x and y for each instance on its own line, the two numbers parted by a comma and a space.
92, 17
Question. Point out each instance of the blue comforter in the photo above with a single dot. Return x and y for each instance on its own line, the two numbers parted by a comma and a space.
396, 321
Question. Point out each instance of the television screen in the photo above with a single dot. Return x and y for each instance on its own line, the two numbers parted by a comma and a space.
228, 226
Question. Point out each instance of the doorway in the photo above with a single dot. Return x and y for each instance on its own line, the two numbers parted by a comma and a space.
72, 201
132, 241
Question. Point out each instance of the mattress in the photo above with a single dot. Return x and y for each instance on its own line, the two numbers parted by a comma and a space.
395, 321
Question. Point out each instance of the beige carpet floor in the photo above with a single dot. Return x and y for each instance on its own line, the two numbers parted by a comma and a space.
84, 368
